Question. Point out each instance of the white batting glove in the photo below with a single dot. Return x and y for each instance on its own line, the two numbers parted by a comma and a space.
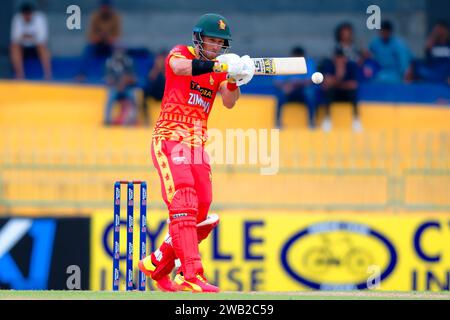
227, 58
247, 73
232, 64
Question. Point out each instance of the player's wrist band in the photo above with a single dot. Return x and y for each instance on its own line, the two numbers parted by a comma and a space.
202, 66
231, 85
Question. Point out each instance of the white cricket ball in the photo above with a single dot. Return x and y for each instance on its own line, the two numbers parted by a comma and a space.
317, 78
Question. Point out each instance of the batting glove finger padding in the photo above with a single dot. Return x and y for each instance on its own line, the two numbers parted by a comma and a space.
247, 73
233, 62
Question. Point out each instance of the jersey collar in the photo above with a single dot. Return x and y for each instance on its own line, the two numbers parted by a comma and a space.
192, 50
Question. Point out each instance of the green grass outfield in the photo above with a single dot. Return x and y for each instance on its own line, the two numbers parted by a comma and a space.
153, 295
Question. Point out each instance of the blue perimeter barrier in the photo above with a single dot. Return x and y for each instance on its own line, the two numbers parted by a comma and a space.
66, 68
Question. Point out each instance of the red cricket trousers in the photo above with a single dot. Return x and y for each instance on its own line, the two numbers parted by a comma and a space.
179, 166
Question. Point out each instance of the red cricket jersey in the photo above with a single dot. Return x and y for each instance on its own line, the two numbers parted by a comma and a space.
187, 102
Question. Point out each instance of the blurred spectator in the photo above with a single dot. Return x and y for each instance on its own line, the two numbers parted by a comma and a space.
340, 84
29, 35
344, 37
103, 32
156, 81
392, 55
297, 88
436, 66
368, 67
438, 44
120, 78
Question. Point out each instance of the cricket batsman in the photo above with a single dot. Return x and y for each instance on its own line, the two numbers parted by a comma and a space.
194, 75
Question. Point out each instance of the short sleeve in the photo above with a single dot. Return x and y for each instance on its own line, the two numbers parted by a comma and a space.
179, 51
16, 29
41, 28
311, 66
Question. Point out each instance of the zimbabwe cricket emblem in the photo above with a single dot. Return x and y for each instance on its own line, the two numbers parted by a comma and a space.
222, 25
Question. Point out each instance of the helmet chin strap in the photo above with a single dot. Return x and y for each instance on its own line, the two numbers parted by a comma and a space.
201, 51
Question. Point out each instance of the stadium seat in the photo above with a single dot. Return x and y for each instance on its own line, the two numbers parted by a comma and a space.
55, 150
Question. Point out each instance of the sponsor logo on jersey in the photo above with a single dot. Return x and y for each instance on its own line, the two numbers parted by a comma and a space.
205, 92
196, 100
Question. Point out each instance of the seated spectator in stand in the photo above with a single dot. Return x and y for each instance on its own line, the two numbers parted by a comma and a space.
29, 35
392, 54
103, 32
156, 82
344, 37
368, 67
297, 88
340, 84
436, 66
120, 78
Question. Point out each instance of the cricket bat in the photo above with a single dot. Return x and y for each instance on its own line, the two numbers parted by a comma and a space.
280, 66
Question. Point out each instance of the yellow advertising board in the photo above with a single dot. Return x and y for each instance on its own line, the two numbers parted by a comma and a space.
289, 251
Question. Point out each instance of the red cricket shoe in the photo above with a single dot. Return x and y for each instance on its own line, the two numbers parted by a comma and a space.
197, 284
164, 284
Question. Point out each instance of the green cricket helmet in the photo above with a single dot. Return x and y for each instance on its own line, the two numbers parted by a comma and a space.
212, 25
